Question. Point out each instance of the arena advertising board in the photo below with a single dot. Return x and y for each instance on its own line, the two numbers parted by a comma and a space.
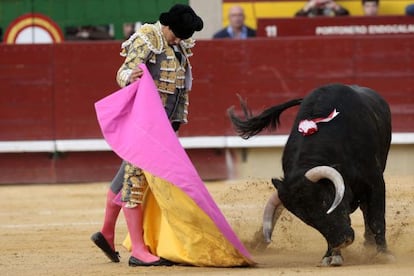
328, 26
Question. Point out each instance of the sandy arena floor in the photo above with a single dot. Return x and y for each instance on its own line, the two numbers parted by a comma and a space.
45, 230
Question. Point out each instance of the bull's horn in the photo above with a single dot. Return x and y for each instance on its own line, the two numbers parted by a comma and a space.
317, 173
271, 215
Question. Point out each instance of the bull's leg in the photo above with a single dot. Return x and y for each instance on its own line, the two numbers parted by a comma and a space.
333, 257
368, 234
374, 215
375, 219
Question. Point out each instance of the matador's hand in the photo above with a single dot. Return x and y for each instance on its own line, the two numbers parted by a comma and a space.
135, 74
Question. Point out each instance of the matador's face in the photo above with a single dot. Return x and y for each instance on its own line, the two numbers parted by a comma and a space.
170, 36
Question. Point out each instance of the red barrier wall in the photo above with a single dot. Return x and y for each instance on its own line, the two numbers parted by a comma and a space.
48, 92
270, 71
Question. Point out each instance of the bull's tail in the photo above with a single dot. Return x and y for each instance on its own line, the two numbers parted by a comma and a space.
252, 125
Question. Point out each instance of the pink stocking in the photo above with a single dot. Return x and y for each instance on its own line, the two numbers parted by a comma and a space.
134, 220
111, 214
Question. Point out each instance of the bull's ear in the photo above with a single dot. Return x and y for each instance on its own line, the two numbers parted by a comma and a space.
277, 183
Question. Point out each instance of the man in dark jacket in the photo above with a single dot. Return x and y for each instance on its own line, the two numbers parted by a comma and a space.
236, 28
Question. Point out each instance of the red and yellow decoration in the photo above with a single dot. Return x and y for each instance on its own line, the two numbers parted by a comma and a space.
33, 28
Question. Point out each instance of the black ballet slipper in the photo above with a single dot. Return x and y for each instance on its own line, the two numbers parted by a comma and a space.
161, 262
101, 242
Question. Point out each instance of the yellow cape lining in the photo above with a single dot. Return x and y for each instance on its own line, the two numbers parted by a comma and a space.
177, 229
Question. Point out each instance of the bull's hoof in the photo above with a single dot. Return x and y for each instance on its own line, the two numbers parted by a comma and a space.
336, 260
385, 257
326, 261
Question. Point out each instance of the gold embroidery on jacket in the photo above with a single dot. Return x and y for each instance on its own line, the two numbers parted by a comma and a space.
149, 45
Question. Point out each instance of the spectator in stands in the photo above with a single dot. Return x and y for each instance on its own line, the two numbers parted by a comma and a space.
128, 30
236, 28
370, 7
321, 8
409, 10
88, 32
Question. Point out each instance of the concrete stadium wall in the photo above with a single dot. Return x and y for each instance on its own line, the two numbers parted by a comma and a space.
265, 163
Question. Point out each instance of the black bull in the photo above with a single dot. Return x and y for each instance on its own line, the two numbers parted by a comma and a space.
336, 165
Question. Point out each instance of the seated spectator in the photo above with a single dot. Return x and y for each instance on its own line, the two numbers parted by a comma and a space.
321, 8
370, 7
88, 32
236, 28
409, 10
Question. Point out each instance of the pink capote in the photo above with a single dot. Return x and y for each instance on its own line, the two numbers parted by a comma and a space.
135, 125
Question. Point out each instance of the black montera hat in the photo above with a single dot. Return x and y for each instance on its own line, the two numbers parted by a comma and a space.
182, 20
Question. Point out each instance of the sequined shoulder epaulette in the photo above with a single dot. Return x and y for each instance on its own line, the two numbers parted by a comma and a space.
186, 46
150, 34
